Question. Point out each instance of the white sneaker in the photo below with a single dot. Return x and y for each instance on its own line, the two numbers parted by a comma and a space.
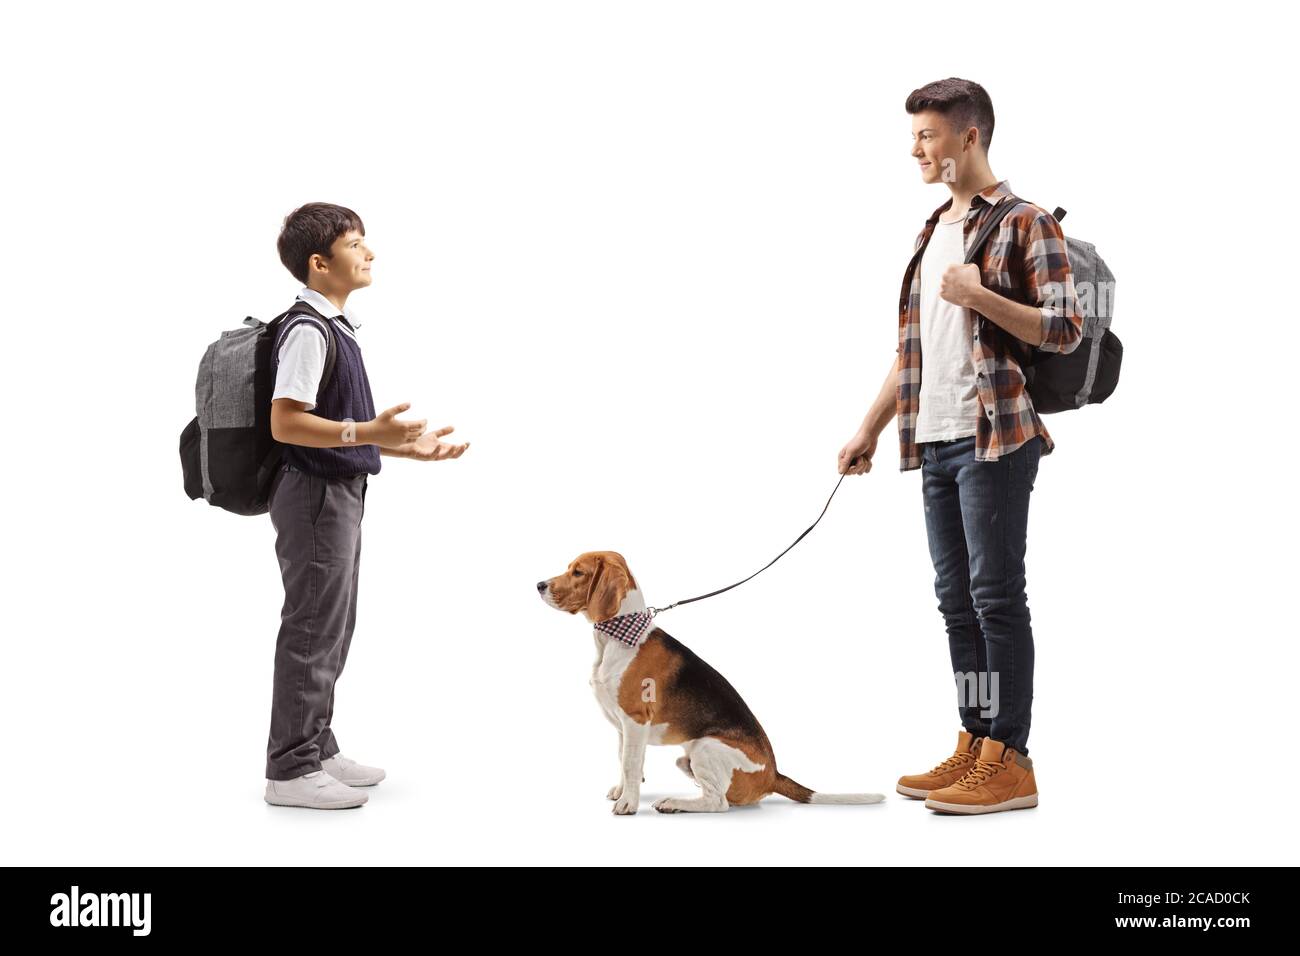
317, 790
348, 771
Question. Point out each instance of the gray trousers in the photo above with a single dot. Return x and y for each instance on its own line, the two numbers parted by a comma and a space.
318, 542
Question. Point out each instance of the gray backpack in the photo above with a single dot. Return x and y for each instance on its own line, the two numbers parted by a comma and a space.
228, 456
1087, 375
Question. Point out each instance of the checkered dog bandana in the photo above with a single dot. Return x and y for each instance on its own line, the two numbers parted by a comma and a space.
628, 628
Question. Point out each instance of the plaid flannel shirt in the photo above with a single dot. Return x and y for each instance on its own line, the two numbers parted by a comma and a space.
1024, 260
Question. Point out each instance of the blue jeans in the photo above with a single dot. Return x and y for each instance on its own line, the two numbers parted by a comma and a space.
976, 516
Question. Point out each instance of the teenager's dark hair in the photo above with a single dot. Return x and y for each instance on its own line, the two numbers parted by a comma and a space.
312, 229
963, 103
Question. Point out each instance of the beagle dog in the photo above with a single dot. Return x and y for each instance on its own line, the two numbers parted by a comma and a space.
654, 690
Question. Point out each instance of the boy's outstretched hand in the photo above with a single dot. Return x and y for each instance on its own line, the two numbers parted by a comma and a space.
428, 447
389, 431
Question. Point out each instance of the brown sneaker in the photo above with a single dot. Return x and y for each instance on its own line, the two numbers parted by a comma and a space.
949, 772
1002, 779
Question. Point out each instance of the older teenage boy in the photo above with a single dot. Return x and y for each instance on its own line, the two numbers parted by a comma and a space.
333, 442
969, 425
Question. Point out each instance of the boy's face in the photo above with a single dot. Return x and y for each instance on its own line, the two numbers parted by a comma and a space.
348, 266
938, 148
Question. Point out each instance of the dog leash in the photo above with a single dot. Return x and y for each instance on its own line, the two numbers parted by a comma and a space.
657, 610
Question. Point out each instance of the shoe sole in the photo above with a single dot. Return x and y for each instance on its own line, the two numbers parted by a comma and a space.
912, 792
1017, 803
341, 805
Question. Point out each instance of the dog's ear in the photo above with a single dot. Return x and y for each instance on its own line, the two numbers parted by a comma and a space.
608, 588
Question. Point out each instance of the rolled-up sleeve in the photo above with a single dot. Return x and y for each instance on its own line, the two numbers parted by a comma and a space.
1050, 284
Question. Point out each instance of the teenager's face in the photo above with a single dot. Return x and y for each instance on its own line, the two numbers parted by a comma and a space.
937, 148
348, 267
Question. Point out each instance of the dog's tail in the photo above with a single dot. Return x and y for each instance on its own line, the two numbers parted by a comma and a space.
801, 794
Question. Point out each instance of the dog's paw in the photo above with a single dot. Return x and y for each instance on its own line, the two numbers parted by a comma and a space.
624, 806
667, 805
616, 791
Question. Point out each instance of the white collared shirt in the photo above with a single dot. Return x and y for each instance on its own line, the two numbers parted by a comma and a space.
302, 354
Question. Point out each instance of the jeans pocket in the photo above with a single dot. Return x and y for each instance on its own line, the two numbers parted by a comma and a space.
1029, 454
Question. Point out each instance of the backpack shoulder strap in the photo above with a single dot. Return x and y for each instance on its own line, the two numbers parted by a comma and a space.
1025, 355
331, 348
994, 218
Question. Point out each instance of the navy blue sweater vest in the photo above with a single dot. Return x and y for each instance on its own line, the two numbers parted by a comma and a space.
345, 396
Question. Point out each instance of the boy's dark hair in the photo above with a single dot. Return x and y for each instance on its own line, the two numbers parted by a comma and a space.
312, 229
962, 102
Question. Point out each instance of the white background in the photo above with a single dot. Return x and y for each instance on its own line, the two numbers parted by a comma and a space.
646, 258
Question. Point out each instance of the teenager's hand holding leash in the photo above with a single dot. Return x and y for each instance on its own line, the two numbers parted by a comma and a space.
855, 457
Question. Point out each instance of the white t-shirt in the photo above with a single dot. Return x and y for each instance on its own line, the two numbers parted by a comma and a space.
303, 351
949, 398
